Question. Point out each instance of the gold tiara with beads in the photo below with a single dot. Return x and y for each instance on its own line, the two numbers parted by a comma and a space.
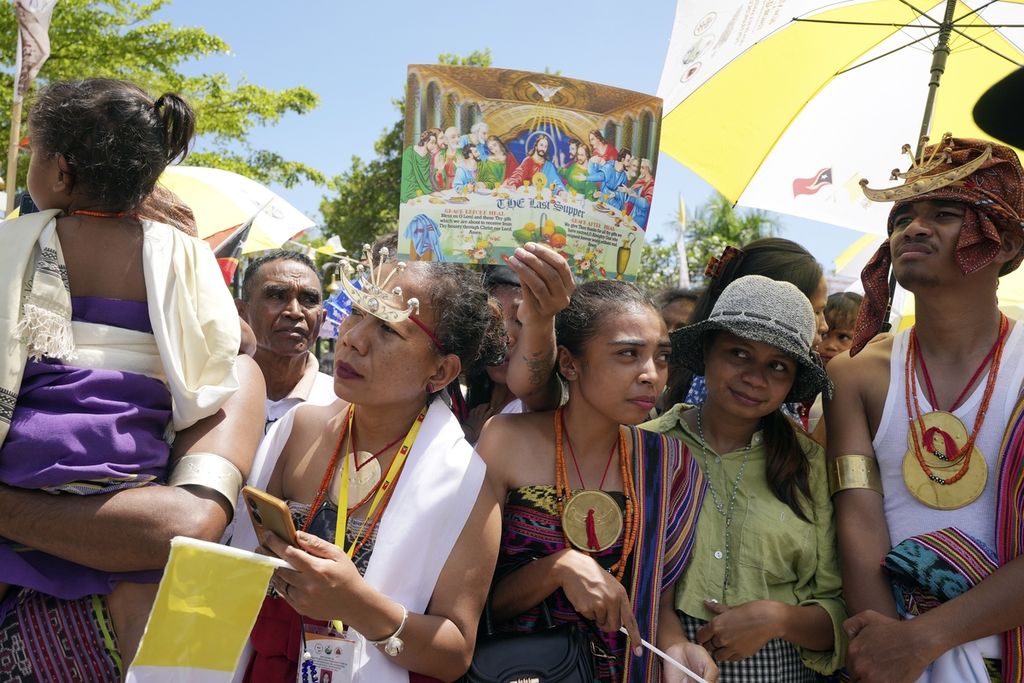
927, 174
372, 294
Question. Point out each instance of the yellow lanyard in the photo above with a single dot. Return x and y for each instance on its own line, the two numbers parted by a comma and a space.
341, 531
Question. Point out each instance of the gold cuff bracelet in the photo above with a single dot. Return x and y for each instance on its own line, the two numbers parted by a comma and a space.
210, 471
854, 472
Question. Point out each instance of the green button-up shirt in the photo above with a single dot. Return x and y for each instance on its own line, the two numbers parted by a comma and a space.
774, 555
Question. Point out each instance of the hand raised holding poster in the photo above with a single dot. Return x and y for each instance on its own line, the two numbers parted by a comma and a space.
497, 158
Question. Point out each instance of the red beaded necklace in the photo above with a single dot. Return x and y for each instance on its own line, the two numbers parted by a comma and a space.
105, 214
930, 390
563, 492
332, 465
575, 464
914, 407
374, 456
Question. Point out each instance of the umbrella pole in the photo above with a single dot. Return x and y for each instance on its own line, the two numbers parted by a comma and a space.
939, 56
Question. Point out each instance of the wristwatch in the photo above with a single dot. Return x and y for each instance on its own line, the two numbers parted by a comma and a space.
393, 645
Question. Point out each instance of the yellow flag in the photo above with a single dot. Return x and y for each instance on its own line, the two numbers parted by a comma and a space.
205, 607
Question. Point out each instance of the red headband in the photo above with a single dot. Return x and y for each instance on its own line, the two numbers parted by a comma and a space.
427, 331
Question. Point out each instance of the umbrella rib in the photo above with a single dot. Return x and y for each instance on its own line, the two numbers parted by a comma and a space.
974, 11
921, 14
873, 59
857, 23
981, 23
977, 42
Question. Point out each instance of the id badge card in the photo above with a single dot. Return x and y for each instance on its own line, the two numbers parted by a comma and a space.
331, 657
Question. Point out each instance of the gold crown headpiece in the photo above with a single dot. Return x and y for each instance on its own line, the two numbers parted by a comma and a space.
372, 294
926, 173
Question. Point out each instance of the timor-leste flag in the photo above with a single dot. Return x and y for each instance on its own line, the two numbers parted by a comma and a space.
205, 607
229, 252
812, 184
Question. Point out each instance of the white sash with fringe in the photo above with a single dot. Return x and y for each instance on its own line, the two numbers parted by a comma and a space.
195, 325
432, 501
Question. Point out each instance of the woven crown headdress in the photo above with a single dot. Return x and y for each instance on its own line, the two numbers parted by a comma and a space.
372, 294
927, 173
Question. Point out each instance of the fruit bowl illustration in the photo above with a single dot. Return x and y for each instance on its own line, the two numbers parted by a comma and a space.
547, 232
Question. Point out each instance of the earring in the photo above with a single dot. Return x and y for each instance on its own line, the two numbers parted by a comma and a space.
430, 388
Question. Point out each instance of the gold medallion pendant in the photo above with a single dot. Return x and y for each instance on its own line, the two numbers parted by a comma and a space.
592, 520
934, 471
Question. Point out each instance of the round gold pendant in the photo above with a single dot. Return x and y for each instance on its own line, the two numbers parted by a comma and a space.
942, 431
940, 436
592, 520
945, 496
360, 481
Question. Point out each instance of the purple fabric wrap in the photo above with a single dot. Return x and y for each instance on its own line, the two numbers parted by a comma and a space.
78, 425
128, 315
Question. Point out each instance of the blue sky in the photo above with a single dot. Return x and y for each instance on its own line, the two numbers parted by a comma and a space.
354, 55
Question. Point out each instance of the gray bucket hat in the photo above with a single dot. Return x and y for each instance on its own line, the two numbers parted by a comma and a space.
759, 309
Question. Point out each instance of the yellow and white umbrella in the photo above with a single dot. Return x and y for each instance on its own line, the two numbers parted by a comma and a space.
786, 104
222, 200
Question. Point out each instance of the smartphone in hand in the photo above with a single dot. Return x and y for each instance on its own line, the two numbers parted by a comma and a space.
269, 513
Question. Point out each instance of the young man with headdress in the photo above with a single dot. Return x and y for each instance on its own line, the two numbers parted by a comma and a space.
927, 489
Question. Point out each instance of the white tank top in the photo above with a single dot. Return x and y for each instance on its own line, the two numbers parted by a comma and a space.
905, 515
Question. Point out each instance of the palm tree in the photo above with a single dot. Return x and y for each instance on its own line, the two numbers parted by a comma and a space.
717, 224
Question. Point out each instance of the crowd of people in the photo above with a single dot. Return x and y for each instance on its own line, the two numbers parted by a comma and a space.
755, 477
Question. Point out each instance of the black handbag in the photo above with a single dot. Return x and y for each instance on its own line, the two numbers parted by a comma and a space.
554, 654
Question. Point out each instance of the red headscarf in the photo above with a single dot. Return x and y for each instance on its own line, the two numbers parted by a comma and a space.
993, 197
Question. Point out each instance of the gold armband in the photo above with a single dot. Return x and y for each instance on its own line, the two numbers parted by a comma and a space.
854, 472
211, 471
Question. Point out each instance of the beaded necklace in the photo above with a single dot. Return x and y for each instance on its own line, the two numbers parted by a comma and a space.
105, 214
332, 466
914, 409
564, 496
930, 390
725, 510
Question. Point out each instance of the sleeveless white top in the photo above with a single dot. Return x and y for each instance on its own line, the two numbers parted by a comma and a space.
905, 515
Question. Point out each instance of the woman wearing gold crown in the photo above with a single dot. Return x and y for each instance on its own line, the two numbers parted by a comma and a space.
598, 516
388, 464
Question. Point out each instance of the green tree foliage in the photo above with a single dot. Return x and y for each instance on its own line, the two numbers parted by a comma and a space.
717, 224
659, 266
121, 39
712, 226
367, 199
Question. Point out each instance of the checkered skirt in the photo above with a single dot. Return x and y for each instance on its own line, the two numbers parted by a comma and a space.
777, 662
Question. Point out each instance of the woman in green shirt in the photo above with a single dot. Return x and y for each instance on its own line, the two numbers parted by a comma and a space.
762, 591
